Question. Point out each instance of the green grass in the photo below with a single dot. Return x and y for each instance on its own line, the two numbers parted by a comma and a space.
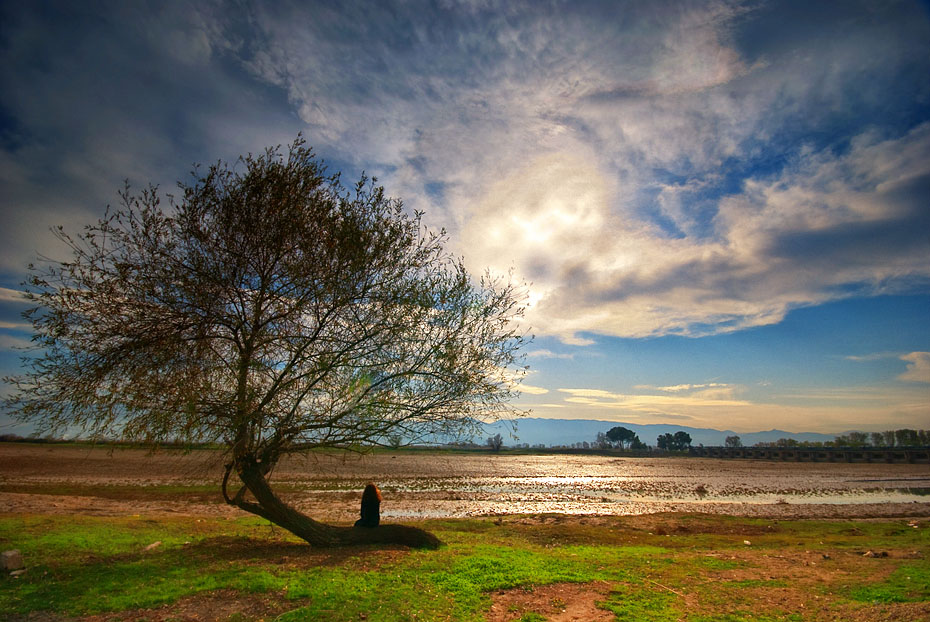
908, 583
699, 570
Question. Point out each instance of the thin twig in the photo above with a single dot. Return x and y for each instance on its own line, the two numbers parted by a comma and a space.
666, 587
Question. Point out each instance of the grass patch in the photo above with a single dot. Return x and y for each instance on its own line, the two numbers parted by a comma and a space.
908, 583
693, 568
641, 602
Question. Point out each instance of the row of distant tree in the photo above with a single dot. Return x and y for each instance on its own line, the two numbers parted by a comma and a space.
623, 438
904, 437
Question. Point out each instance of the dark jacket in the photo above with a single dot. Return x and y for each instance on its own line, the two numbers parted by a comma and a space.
371, 508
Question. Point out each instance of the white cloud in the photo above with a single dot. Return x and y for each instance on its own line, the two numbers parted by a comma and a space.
918, 367
644, 167
875, 356
531, 390
549, 354
588, 149
801, 239
683, 387
11, 295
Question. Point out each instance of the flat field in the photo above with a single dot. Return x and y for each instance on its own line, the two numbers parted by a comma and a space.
130, 536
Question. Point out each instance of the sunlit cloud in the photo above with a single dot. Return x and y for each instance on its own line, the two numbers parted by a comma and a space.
918, 367
606, 399
831, 227
825, 410
531, 390
683, 387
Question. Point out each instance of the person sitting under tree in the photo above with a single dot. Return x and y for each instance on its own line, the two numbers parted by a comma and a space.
371, 507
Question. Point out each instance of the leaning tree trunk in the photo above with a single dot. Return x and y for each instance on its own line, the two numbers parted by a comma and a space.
269, 506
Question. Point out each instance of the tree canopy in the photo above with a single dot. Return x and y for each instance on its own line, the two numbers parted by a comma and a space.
271, 310
621, 436
678, 441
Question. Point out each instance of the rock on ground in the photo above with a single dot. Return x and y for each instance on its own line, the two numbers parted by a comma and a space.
11, 560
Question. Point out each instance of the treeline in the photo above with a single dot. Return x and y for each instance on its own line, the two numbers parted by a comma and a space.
904, 437
16, 438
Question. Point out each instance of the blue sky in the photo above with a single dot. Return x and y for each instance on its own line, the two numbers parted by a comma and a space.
721, 207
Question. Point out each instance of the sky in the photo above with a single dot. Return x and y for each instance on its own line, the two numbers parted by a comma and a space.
721, 208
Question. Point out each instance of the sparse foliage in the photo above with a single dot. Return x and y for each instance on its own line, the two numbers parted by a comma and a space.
496, 442
273, 311
733, 441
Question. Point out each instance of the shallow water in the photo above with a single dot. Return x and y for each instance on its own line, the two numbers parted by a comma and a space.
421, 486
444, 484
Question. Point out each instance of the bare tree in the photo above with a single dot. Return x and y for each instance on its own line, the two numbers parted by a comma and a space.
273, 311
495, 442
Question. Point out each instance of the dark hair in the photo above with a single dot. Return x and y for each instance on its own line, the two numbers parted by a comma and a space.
371, 493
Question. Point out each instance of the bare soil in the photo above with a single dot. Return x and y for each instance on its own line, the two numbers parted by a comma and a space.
559, 602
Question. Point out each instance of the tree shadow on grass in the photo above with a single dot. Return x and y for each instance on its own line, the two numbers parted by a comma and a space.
286, 554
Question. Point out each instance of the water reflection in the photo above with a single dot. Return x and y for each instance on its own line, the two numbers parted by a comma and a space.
585, 485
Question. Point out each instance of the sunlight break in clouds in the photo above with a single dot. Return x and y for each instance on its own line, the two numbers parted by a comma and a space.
824, 225
646, 169
653, 170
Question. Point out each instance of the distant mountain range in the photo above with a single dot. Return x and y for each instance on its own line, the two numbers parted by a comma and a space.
548, 432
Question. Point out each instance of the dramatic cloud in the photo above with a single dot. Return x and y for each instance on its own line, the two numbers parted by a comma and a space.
649, 170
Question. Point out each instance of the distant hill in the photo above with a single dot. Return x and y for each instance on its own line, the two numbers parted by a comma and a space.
535, 431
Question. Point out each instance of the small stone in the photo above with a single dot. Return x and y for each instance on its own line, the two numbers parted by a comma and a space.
16, 573
153, 546
11, 560
747, 542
